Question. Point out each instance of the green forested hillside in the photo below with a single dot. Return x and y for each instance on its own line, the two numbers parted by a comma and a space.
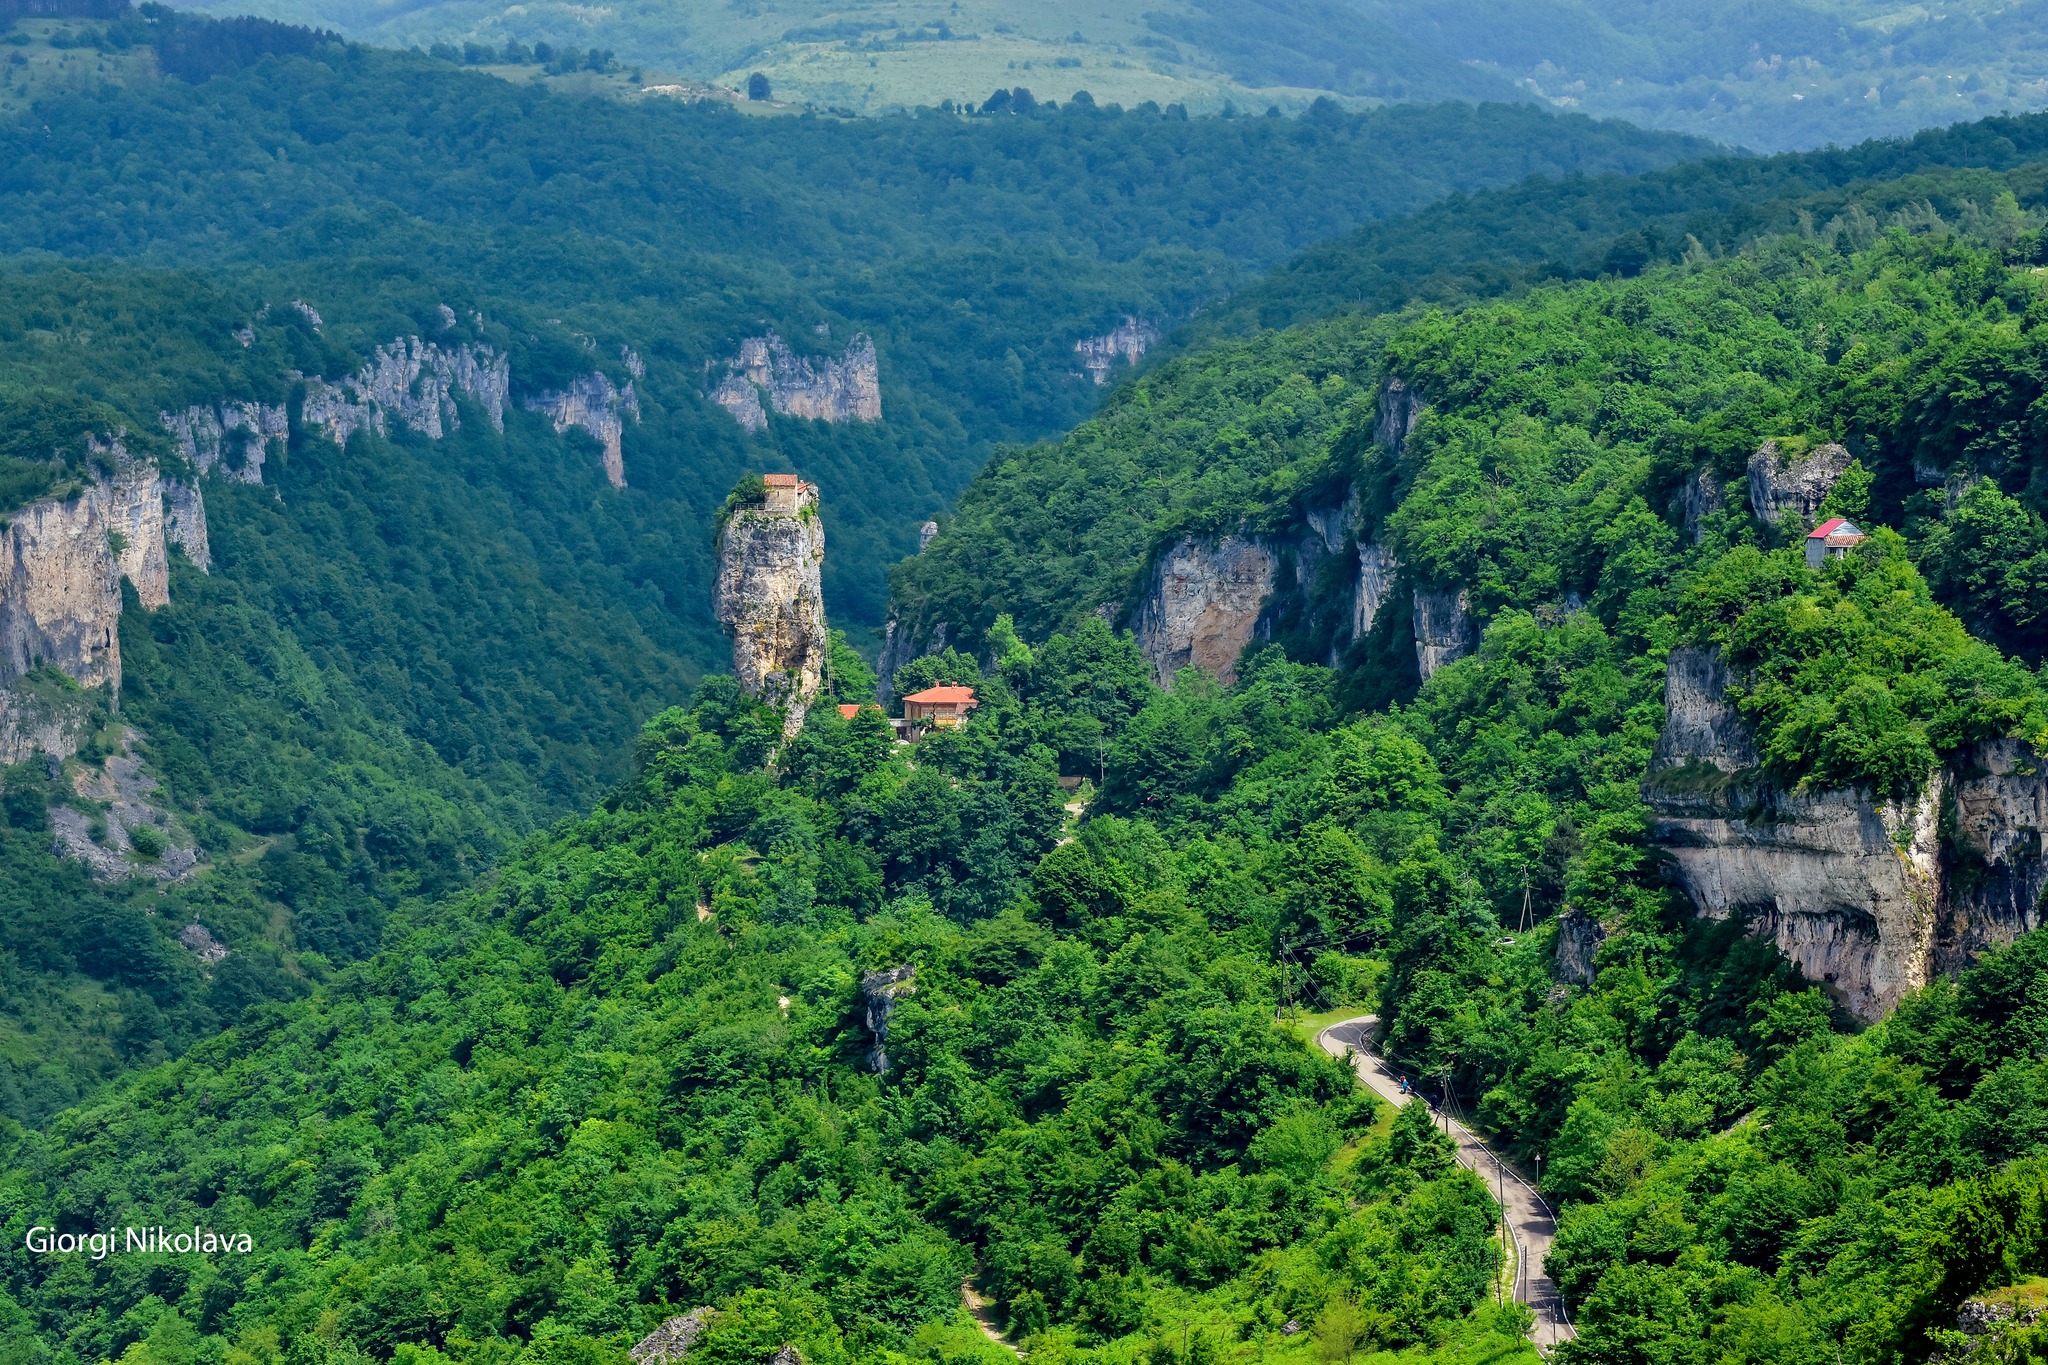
1743, 1181
413, 651
559, 1108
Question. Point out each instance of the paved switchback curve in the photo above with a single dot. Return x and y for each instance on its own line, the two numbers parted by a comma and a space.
1529, 1215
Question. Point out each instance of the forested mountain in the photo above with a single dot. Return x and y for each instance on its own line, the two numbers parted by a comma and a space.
637, 1072
418, 645
1437, 634
1768, 77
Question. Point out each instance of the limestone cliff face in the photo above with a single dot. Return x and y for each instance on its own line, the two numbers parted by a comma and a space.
1202, 603
1124, 344
1377, 571
1444, 632
1401, 408
233, 437
770, 600
1781, 483
880, 992
591, 404
1700, 499
414, 383
61, 566
847, 389
1864, 896
1997, 867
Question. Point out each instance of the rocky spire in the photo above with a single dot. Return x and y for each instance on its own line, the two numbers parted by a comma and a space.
771, 552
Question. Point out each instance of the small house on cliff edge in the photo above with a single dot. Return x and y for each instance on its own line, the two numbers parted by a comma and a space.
787, 494
1832, 539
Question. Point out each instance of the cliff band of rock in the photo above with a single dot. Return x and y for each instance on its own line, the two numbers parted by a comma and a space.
1124, 344
1579, 937
413, 382
1864, 896
1781, 483
60, 589
1401, 407
235, 437
1700, 499
1377, 571
770, 599
1202, 604
881, 991
844, 390
1444, 631
592, 405
672, 1342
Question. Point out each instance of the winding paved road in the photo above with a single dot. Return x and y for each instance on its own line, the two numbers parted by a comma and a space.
1529, 1214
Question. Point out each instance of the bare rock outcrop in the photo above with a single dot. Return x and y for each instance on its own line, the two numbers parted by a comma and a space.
672, 1342
591, 404
199, 941
881, 992
1401, 408
846, 389
1124, 344
1378, 569
770, 599
1202, 603
1865, 896
1699, 500
1444, 631
1579, 937
1781, 482
124, 829
234, 437
60, 591
61, 565
1996, 864
414, 383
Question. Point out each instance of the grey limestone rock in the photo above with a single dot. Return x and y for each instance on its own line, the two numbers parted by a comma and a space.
1124, 344
1401, 408
824, 389
1781, 482
1444, 631
770, 599
1870, 898
1202, 603
881, 991
414, 383
591, 404
672, 1342
1579, 937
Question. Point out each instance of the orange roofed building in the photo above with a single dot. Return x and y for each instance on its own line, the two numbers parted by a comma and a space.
939, 707
787, 494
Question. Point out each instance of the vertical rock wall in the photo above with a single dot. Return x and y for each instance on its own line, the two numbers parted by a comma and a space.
1867, 897
1123, 344
1202, 603
61, 566
1444, 631
1780, 482
769, 598
592, 405
847, 389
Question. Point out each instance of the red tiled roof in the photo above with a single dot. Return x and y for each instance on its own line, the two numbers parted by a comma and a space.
940, 696
1828, 528
848, 709
781, 481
